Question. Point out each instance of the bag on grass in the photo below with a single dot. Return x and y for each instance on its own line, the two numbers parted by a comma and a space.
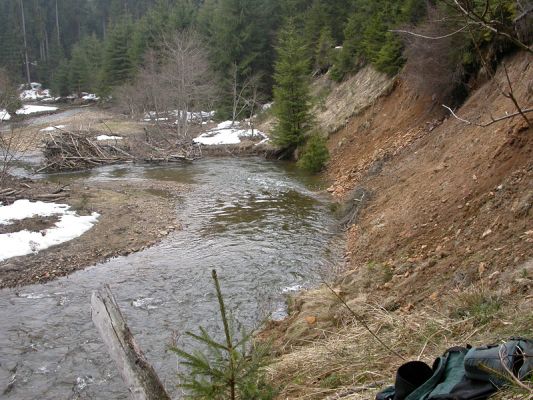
462, 373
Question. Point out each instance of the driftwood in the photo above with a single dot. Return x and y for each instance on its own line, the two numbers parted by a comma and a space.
66, 151
69, 151
139, 376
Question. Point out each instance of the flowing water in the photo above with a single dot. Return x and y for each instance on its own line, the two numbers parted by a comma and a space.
265, 228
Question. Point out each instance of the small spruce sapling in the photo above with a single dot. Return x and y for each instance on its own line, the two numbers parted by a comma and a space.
226, 370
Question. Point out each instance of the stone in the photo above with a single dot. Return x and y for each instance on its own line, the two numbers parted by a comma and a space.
311, 319
486, 233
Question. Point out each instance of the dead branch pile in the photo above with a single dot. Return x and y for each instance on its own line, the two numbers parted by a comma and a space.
68, 151
9, 195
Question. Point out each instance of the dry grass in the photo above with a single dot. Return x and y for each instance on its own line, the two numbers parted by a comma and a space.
351, 364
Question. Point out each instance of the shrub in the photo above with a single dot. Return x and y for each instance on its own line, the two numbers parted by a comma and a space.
315, 154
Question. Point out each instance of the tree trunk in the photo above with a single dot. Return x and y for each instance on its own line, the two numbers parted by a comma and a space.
25, 43
57, 26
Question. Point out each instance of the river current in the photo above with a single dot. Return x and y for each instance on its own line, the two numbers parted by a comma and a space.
266, 228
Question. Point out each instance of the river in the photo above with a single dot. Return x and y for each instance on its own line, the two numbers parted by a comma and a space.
265, 227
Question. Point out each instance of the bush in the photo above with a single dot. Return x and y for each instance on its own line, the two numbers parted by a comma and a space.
315, 154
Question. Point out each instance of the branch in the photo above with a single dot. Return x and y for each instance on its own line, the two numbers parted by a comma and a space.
429, 37
480, 20
510, 95
494, 120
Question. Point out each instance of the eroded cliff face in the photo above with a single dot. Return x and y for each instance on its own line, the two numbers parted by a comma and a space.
449, 202
438, 219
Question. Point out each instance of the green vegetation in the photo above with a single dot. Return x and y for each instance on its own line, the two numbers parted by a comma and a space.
292, 106
480, 305
227, 370
315, 154
257, 49
96, 45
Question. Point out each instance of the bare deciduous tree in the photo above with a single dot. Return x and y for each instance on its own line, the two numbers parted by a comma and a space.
186, 78
175, 85
11, 143
431, 69
245, 95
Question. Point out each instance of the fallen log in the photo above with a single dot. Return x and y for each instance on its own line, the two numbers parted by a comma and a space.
52, 196
139, 376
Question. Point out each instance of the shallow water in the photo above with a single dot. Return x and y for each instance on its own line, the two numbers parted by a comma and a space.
263, 226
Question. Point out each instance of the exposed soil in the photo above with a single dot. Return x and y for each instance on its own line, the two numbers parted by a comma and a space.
133, 216
35, 224
438, 219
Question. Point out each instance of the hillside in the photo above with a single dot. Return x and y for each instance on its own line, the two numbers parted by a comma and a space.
439, 238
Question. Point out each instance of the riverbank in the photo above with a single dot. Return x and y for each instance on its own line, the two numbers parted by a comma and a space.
133, 215
438, 241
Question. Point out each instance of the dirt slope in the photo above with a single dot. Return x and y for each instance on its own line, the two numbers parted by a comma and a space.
439, 224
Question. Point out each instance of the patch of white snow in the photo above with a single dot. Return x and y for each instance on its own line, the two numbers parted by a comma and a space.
90, 97
4, 115
106, 137
228, 132
53, 128
69, 226
31, 109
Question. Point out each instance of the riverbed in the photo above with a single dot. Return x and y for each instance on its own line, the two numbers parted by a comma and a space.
265, 227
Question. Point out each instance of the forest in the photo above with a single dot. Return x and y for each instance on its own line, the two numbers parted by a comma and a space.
97, 45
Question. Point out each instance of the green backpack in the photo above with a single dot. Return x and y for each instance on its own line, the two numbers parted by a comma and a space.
462, 373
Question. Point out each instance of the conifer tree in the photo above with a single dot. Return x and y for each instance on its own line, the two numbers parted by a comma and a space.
315, 154
117, 66
324, 50
78, 70
238, 34
291, 91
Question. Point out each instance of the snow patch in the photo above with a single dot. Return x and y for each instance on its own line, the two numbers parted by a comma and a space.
53, 128
106, 137
36, 93
70, 226
31, 109
228, 132
4, 115
90, 97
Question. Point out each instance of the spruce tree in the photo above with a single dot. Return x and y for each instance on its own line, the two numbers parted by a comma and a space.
315, 154
324, 51
291, 91
79, 70
118, 66
238, 34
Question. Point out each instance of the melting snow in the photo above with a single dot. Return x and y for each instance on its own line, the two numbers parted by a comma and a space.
228, 133
4, 115
69, 226
35, 93
90, 97
53, 128
31, 109
105, 137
